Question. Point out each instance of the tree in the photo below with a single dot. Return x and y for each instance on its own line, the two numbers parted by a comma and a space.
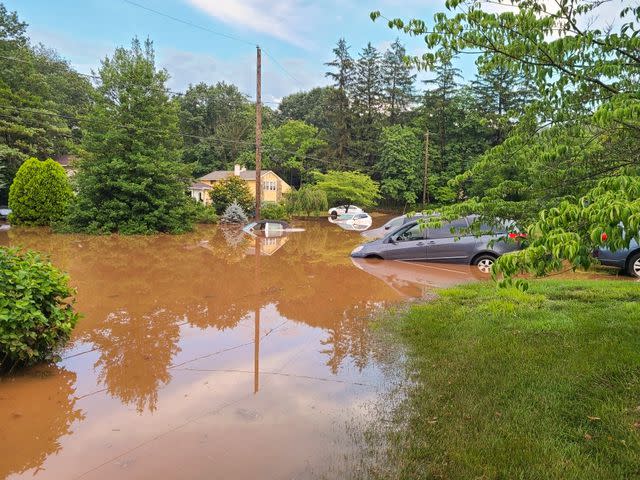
231, 190
289, 149
608, 216
348, 188
502, 96
397, 82
312, 107
40, 99
439, 101
340, 116
40, 193
234, 213
585, 118
400, 164
131, 180
218, 125
309, 199
367, 103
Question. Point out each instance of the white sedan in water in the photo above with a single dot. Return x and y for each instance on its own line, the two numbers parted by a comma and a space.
344, 209
353, 221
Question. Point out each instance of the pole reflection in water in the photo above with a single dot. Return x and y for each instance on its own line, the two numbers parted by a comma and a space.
256, 337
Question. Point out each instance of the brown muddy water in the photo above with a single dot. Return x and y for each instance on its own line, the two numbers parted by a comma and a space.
197, 358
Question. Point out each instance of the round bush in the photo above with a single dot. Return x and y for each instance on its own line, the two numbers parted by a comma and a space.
230, 190
36, 308
39, 194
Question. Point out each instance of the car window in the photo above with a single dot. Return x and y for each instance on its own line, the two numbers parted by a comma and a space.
396, 222
410, 234
445, 230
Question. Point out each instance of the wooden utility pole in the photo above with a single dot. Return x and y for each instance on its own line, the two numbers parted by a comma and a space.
425, 186
258, 131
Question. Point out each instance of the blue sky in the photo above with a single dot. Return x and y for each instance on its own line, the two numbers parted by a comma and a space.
299, 34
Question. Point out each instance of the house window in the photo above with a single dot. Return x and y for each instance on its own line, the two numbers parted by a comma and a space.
269, 185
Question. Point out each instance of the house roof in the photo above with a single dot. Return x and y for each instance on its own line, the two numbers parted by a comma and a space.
223, 174
66, 160
200, 186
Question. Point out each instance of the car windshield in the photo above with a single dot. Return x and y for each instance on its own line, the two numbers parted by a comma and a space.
396, 222
346, 216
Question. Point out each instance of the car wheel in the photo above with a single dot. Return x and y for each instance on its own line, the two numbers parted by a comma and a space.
633, 267
484, 263
334, 214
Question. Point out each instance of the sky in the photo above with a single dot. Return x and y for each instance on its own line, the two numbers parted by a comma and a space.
297, 36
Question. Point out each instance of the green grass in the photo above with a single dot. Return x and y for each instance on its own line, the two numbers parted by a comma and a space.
512, 385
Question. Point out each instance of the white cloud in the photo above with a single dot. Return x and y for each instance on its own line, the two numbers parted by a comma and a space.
284, 19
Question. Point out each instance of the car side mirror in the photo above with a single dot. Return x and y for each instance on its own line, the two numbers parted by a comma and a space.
387, 227
393, 241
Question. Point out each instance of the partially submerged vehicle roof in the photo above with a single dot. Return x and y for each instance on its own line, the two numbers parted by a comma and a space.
264, 222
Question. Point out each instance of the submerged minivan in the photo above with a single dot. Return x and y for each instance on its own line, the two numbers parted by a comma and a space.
415, 242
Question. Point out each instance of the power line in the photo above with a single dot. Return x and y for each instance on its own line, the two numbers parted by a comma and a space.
282, 67
191, 24
97, 78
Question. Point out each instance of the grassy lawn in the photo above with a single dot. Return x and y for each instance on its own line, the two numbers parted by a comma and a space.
537, 385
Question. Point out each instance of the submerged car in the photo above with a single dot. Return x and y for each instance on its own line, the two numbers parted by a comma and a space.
413, 241
353, 221
627, 259
342, 209
4, 213
267, 228
390, 226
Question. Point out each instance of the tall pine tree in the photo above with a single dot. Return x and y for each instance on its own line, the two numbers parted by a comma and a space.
367, 103
501, 96
397, 82
439, 100
132, 180
342, 75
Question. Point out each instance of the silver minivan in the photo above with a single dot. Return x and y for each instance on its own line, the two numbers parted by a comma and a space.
412, 241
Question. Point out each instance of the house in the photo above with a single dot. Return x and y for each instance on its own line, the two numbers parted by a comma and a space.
200, 192
273, 187
68, 163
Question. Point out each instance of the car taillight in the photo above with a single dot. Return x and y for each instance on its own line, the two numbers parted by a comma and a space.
515, 235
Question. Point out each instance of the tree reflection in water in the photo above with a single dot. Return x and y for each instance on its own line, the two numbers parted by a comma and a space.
136, 292
31, 425
135, 354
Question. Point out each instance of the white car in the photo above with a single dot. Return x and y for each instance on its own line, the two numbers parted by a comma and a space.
353, 221
342, 209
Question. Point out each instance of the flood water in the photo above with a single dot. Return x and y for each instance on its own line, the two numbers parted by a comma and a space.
198, 358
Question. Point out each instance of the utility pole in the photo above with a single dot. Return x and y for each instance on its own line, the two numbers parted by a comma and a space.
258, 131
425, 186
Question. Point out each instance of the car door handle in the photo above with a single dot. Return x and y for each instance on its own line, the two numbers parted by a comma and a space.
420, 244
431, 242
